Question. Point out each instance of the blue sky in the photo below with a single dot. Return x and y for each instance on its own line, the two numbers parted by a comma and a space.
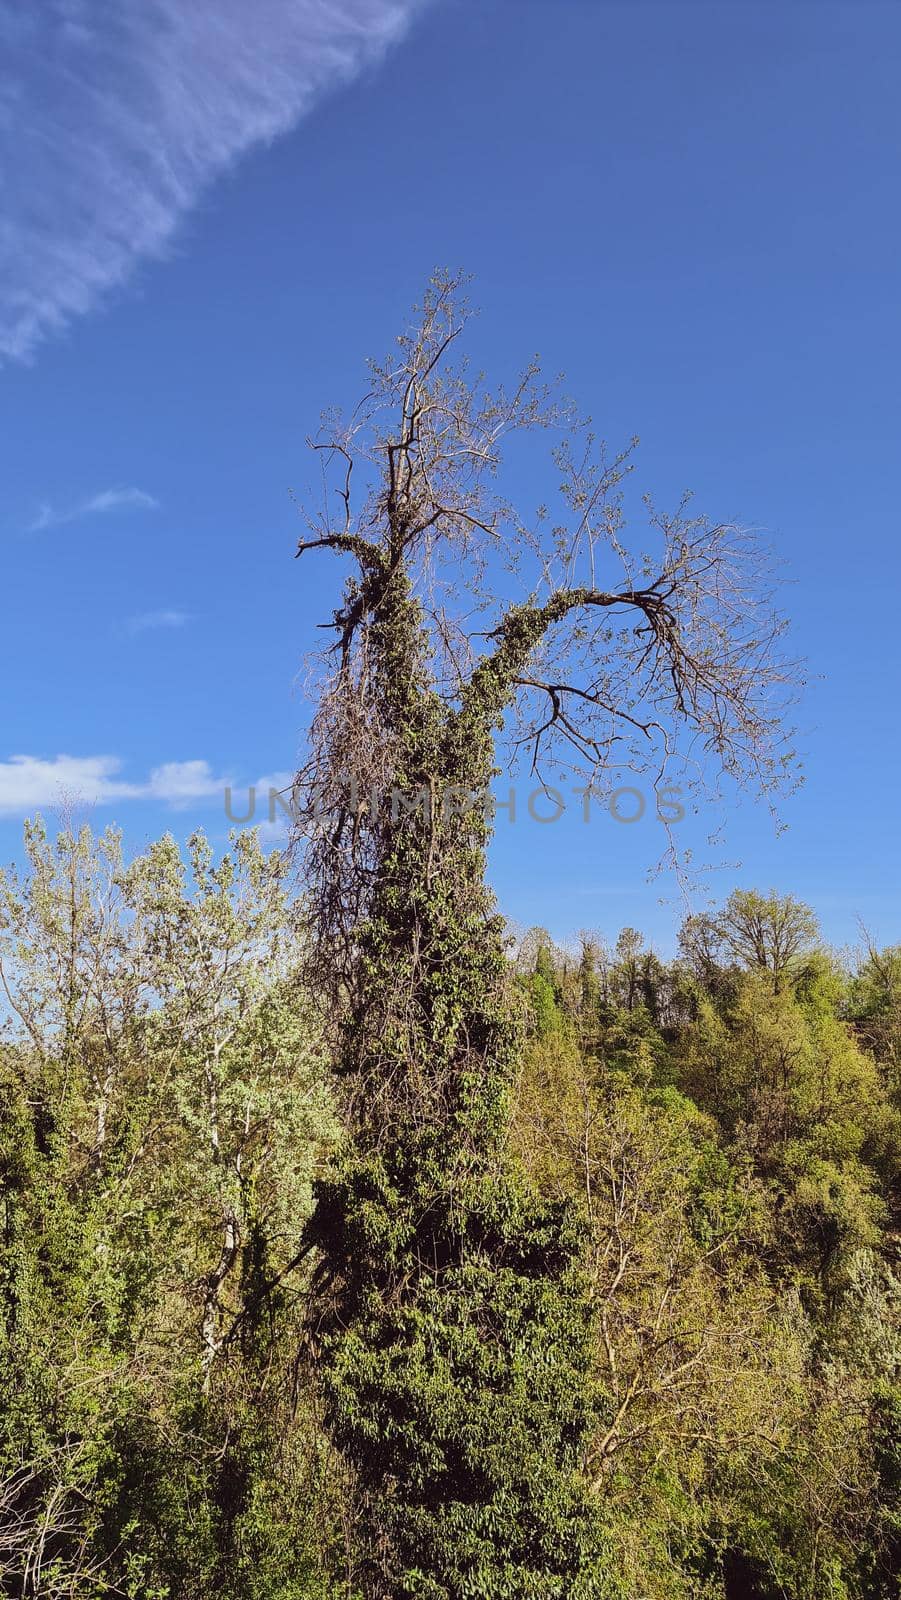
215, 213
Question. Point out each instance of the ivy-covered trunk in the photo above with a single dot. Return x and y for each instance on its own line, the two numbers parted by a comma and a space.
457, 1365
457, 1355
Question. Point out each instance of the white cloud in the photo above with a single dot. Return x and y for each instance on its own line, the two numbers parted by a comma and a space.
150, 620
119, 113
30, 782
180, 782
106, 500
118, 500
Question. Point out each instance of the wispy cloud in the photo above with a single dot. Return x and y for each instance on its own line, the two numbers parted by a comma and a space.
28, 783
119, 113
151, 620
118, 500
126, 499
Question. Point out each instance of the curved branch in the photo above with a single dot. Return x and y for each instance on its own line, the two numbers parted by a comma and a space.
353, 544
523, 628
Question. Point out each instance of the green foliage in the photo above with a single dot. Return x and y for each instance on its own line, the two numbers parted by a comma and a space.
164, 1110
721, 1140
544, 1005
463, 1399
602, 1306
457, 1359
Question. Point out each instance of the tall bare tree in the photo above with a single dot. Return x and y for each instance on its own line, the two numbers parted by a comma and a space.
453, 1328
